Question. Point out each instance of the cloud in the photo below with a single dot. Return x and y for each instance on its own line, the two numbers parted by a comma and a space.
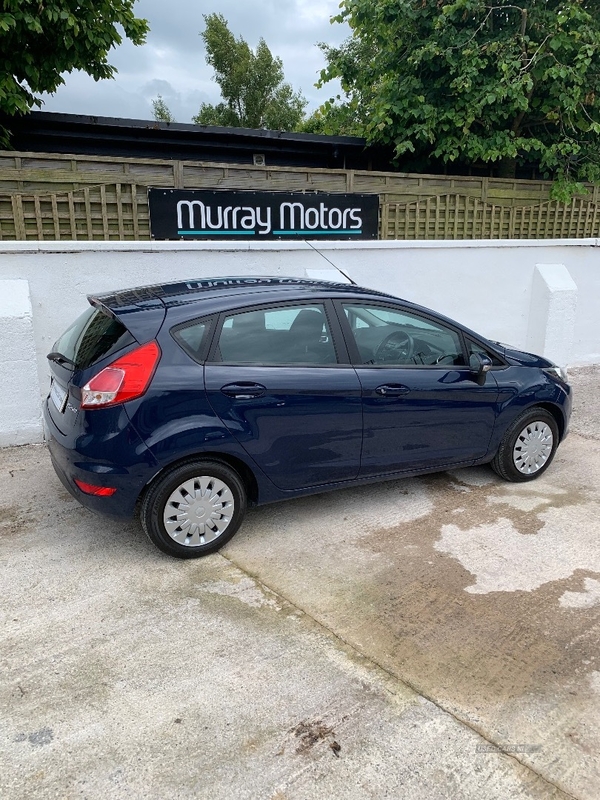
174, 56
82, 95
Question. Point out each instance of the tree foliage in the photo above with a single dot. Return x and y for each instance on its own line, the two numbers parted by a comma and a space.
334, 119
161, 111
40, 40
471, 81
252, 83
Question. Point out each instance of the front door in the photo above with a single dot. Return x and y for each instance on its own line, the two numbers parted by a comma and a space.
422, 406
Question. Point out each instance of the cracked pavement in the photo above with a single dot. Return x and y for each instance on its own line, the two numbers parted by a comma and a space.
434, 637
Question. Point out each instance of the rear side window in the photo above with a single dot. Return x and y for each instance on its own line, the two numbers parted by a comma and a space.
93, 335
282, 335
192, 338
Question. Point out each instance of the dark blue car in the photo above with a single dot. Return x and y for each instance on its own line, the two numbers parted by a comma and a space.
187, 402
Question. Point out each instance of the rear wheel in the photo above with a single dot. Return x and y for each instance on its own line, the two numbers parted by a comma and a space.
528, 446
194, 509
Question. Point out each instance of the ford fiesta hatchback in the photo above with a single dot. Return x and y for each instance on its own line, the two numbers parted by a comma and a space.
185, 403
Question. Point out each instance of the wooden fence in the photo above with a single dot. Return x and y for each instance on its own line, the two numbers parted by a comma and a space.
54, 197
455, 216
109, 211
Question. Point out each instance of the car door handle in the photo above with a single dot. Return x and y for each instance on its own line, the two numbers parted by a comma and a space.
392, 390
243, 391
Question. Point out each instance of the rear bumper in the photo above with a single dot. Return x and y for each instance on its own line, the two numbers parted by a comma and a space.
70, 461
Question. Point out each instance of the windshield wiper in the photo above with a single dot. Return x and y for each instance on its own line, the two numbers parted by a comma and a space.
60, 359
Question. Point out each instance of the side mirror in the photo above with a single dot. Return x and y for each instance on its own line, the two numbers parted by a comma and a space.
480, 365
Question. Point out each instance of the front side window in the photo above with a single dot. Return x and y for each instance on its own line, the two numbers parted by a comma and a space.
386, 335
282, 335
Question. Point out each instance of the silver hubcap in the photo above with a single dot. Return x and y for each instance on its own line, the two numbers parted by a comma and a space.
198, 511
533, 447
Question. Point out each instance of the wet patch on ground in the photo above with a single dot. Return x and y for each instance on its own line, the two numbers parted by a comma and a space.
312, 732
471, 610
37, 738
15, 520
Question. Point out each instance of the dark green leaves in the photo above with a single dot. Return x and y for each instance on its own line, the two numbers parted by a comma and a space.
475, 82
40, 40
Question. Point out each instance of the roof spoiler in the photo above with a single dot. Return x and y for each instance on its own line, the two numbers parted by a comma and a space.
143, 318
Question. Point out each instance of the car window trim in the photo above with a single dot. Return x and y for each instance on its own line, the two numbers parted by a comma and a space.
208, 320
342, 355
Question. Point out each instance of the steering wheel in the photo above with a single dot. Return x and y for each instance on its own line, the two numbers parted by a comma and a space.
398, 347
446, 358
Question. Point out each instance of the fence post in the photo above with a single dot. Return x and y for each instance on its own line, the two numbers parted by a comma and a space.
17, 208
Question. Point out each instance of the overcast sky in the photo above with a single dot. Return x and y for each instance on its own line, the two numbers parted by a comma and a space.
172, 62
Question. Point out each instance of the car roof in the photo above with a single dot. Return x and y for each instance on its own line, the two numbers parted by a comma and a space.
183, 292
212, 295
220, 293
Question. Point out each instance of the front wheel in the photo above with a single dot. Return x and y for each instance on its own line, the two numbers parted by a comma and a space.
528, 447
194, 509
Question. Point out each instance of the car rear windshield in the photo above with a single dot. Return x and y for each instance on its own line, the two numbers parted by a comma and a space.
93, 335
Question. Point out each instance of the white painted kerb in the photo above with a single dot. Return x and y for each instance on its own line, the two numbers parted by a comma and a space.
20, 420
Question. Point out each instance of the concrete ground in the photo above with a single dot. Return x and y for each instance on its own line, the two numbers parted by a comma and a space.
427, 638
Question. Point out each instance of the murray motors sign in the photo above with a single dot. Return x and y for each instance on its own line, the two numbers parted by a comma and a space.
179, 214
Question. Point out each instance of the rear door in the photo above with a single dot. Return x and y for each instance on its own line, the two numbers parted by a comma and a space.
279, 378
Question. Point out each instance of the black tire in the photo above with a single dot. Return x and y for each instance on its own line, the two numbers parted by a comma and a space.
504, 460
197, 474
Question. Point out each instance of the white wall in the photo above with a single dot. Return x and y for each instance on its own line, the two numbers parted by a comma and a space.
20, 411
486, 285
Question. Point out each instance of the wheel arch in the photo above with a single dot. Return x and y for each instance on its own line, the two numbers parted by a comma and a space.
243, 470
512, 411
557, 414
504, 462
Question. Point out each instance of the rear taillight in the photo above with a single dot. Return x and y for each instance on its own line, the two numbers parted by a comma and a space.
97, 491
125, 379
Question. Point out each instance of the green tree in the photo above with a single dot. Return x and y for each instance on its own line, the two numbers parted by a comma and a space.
161, 111
469, 81
40, 40
251, 82
334, 119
